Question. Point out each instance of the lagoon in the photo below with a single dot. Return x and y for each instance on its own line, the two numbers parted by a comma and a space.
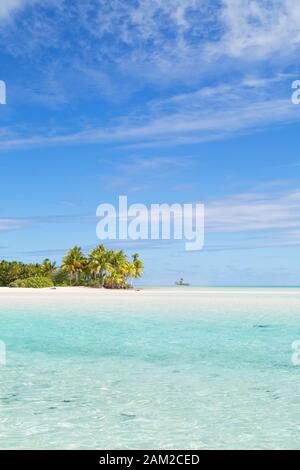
151, 369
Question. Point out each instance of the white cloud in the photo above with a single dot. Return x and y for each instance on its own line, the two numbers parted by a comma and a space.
244, 221
160, 41
254, 212
245, 213
260, 28
12, 224
207, 114
176, 44
9, 7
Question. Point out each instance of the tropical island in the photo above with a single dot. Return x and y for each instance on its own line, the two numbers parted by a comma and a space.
100, 268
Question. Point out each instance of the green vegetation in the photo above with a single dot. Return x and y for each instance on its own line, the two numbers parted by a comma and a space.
36, 282
13, 271
100, 268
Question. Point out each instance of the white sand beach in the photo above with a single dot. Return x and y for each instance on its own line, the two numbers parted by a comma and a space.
169, 295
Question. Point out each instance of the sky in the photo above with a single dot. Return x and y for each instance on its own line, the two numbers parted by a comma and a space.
165, 101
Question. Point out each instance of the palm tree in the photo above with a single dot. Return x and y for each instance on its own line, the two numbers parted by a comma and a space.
98, 263
114, 280
112, 268
117, 268
74, 262
47, 267
138, 266
116, 258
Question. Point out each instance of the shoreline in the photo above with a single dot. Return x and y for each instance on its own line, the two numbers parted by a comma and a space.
68, 293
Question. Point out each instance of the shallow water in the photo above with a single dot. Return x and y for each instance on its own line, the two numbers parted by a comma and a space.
191, 370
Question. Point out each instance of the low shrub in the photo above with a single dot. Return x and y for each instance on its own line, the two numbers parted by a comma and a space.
36, 282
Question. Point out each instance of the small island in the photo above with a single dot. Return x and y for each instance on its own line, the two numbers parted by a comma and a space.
100, 268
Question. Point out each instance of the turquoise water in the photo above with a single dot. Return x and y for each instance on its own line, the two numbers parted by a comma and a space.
190, 370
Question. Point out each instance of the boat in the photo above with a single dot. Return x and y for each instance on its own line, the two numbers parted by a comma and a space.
181, 283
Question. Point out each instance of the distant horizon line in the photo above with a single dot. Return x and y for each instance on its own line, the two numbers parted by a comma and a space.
262, 286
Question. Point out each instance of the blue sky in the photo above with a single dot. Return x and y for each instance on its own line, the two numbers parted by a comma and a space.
164, 101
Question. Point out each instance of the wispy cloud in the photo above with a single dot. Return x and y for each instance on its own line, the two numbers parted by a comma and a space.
9, 7
12, 224
260, 28
254, 212
117, 48
249, 212
157, 40
258, 219
209, 113
139, 173
18, 223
